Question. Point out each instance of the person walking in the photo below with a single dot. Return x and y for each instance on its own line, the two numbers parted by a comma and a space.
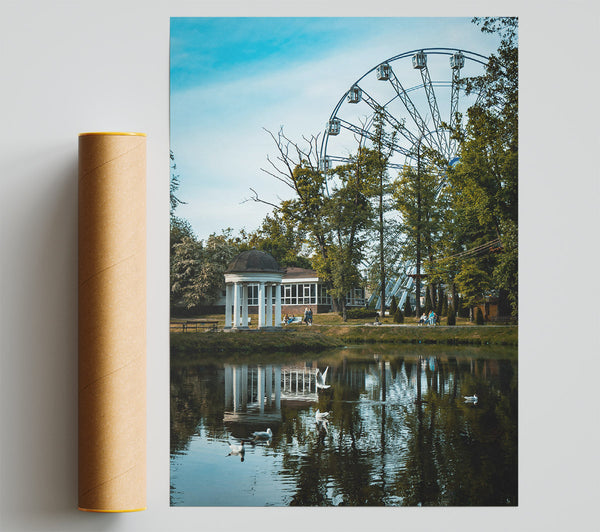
305, 319
310, 316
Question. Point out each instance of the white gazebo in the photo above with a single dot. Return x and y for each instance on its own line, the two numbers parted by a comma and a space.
253, 269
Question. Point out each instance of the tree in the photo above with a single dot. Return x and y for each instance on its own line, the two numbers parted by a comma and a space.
180, 228
334, 216
479, 317
198, 268
282, 239
186, 261
173, 184
348, 216
422, 209
407, 307
296, 166
451, 315
398, 316
382, 150
393, 305
484, 183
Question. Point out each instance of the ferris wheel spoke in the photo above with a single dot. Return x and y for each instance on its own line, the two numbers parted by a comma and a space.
425, 132
433, 107
455, 92
398, 125
364, 133
457, 61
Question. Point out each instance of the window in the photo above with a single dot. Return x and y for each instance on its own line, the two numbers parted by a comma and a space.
252, 294
324, 298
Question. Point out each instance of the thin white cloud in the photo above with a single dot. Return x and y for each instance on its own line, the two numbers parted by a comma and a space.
217, 133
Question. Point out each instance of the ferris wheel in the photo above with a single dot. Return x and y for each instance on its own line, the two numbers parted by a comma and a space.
420, 96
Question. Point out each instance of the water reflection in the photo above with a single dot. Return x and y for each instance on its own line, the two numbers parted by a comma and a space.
399, 432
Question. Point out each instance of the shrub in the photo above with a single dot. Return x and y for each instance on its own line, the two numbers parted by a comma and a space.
359, 313
398, 316
463, 312
451, 315
479, 317
393, 306
408, 311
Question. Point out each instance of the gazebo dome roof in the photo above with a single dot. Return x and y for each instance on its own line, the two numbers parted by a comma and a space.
254, 261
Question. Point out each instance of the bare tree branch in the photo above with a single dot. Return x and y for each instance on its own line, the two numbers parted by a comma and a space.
255, 197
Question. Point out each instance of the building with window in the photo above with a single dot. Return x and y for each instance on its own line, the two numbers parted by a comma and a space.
301, 288
290, 292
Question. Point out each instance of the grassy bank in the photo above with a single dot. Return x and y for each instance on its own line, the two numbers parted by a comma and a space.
319, 338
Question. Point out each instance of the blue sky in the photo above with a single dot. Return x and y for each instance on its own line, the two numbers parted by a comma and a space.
232, 77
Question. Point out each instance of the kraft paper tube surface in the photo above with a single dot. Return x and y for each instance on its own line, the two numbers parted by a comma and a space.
112, 322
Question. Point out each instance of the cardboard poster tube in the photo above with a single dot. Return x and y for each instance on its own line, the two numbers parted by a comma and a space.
112, 322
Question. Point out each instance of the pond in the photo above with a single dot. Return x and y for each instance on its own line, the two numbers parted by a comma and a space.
396, 430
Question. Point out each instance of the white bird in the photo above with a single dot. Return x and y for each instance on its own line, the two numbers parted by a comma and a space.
321, 416
237, 450
321, 377
322, 424
267, 435
471, 398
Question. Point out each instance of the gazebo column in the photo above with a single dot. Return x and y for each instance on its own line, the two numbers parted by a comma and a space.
244, 305
261, 305
236, 305
277, 305
228, 298
269, 305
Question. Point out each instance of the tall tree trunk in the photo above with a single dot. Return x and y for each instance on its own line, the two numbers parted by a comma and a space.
418, 276
381, 250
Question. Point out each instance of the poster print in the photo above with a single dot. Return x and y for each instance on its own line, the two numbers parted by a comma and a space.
344, 262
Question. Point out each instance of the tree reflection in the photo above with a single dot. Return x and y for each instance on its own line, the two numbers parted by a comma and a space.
399, 432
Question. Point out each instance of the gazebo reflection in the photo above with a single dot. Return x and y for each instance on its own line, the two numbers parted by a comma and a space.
254, 394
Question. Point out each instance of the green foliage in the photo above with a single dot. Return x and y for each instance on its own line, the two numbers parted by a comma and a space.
282, 239
408, 311
359, 313
416, 199
398, 316
479, 317
473, 280
484, 184
347, 213
451, 315
377, 166
198, 268
180, 229
393, 305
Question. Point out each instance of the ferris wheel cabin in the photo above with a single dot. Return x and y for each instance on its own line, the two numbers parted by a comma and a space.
333, 126
457, 61
383, 72
354, 94
419, 60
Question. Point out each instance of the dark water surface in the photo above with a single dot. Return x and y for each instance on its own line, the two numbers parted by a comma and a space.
399, 430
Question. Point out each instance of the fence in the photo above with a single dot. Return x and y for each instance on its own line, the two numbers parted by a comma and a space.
194, 326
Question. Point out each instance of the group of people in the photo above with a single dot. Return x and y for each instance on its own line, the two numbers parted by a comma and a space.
307, 318
308, 315
431, 319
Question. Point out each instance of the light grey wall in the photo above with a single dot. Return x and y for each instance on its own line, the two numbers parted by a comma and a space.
68, 67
